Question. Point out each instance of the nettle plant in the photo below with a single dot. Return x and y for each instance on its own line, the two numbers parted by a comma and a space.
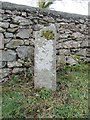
48, 34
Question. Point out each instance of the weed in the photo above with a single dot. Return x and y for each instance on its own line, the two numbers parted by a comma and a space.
44, 94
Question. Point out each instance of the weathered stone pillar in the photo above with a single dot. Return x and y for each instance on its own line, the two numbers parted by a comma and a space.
45, 58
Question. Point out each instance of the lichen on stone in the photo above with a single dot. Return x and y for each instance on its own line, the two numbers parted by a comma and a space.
49, 35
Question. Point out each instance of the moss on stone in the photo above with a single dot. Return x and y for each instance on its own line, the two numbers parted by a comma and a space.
49, 35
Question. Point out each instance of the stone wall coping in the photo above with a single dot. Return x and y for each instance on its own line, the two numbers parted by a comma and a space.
52, 13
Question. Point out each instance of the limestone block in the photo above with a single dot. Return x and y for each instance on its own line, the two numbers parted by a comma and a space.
45, 58
71, 61
2, 30
13, 25
25, 52
24, 33
8, 55
4, 72
15, 43
8, 35
12, 30
14, 64
2, 64
1, 41
17, 70
4, 24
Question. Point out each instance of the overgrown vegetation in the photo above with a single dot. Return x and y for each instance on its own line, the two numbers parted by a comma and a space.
43, 4
70, 100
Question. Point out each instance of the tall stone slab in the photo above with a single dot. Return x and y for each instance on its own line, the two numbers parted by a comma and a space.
45, 58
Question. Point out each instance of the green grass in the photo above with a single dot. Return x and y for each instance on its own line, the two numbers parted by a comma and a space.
70, 100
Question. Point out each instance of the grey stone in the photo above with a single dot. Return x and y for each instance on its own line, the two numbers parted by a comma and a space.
2, 30
24, 14
84, 43
26, 42
49, 19
8, 11
8, 55
45, 60
24, 33
25, 52
0, 55
82, 52
64, 36
87, 59
18, 19
61, 62
64, 52
71, 44
71, 60
32, 42
13, 25
2, 64
4, 72
8, 35
1, 11
1, 41
14, 64
38, 27
14, 43
59, 46
77, 35
12, 30
15, 12
4, 24
7, 40
21, 61
17, 70
26, 23
1, 19
81, 21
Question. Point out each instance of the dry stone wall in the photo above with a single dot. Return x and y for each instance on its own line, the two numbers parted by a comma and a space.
18, 25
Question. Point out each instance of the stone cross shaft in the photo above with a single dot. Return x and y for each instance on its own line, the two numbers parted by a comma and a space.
45, 58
